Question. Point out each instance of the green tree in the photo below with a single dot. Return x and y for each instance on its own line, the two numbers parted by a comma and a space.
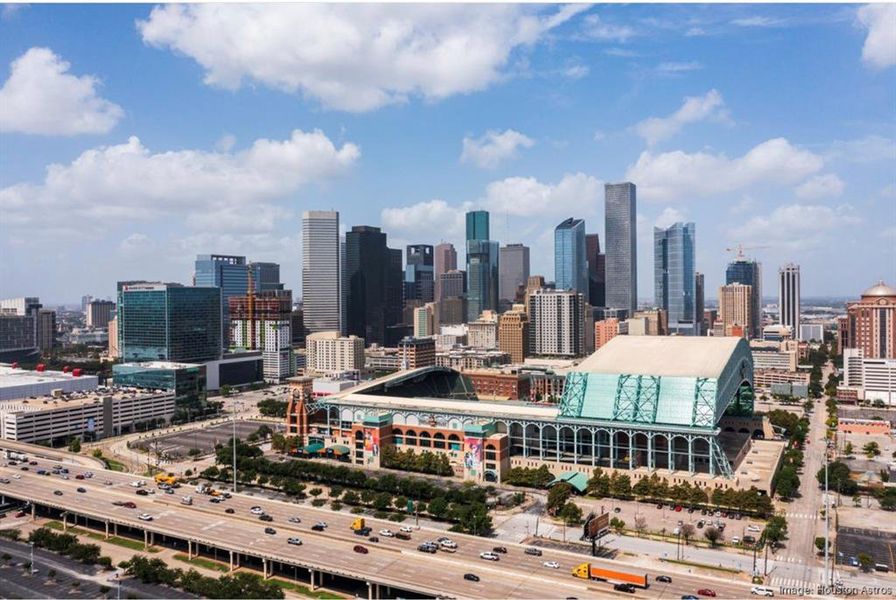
382, 501
617, 525
599, 484
848, 449
558, 496
438, 507
838, 478
787, 482
713, 535
871, 449
820, 544
687, 532
865, 561
570, 513
74, 445
620, 485
775, 528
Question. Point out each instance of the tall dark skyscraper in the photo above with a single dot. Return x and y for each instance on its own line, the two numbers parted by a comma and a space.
674, 276
482, 266
622, 249
445, 260
748, 272
699, 303
419, 282
570, 262
514, 271
230, 273
597, 270
266, 276
373, 275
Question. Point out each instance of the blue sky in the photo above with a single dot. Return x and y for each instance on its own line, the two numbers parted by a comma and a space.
134, 137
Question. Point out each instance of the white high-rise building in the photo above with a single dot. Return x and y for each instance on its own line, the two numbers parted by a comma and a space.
557, 323
789, 298
328, 353
99, 313
321, 274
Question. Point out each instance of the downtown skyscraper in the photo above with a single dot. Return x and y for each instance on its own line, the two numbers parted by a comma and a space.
570, 262
373, 275
321, 277
789, 298
482, 266
674, 276
622, 250
444, 260
748, 272
513, 271
597, 270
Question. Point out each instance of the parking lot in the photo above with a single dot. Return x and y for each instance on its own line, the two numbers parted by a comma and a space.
879, 545
179, 444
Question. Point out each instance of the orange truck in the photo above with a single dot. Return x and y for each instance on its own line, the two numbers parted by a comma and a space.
589, 571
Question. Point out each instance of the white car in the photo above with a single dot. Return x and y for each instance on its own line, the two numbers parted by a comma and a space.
446, 543
551, 564
386, 533
407, 529
489, 556
294, 520
755, 528
137, 484
758, 590
321, 524
145, 517
256, 510
294, 541
16, 476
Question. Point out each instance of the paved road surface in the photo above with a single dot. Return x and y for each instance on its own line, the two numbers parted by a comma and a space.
516, 575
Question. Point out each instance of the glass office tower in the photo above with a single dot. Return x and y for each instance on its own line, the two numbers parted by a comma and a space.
482, 266
570, 262
621, 239
674, 276
168, 321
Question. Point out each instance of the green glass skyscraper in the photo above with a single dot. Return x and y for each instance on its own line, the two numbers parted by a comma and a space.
482, 266
169, 321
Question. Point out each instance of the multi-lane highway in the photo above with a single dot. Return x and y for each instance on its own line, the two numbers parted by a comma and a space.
390, 562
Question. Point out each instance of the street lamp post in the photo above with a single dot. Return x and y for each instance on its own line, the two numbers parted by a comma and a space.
234, 446
31, 564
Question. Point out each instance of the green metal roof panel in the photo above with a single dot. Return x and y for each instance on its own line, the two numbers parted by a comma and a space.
313, 448
577, 480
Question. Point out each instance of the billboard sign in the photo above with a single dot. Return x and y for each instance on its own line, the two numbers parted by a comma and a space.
596, 526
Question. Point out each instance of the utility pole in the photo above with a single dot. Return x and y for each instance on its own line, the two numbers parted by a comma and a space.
31, 565
827, 519
234, 447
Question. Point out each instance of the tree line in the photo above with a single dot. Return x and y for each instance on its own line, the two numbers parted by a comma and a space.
239, 585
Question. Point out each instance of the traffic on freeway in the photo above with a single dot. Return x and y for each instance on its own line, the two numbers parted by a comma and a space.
416, 558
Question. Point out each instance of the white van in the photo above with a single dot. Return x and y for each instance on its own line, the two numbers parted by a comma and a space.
758, 590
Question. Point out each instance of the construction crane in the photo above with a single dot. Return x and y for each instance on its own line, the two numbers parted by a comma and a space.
250, 292
740, 250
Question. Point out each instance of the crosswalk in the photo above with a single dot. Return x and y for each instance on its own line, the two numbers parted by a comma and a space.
792, 585
801, 515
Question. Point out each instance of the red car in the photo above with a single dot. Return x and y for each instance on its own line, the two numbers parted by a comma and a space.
707, 592
20, 514
361, 550
678, 508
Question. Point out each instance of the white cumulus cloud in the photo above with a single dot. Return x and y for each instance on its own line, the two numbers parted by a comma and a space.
820, 186
594, 27
42, 97
669, 216
795, 226
226, 191
680, 175
879, 50
491, 149
432, 219
694, 109
575, 194
352, 57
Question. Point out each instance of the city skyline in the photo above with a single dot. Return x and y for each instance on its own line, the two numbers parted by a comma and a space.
666, 97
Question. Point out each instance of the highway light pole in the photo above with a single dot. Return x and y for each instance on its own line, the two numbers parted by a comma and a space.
234, 446
31, 564
827, 518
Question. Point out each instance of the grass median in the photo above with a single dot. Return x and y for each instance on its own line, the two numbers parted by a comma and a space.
699, 565
305, 590
118, 541
202, 562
